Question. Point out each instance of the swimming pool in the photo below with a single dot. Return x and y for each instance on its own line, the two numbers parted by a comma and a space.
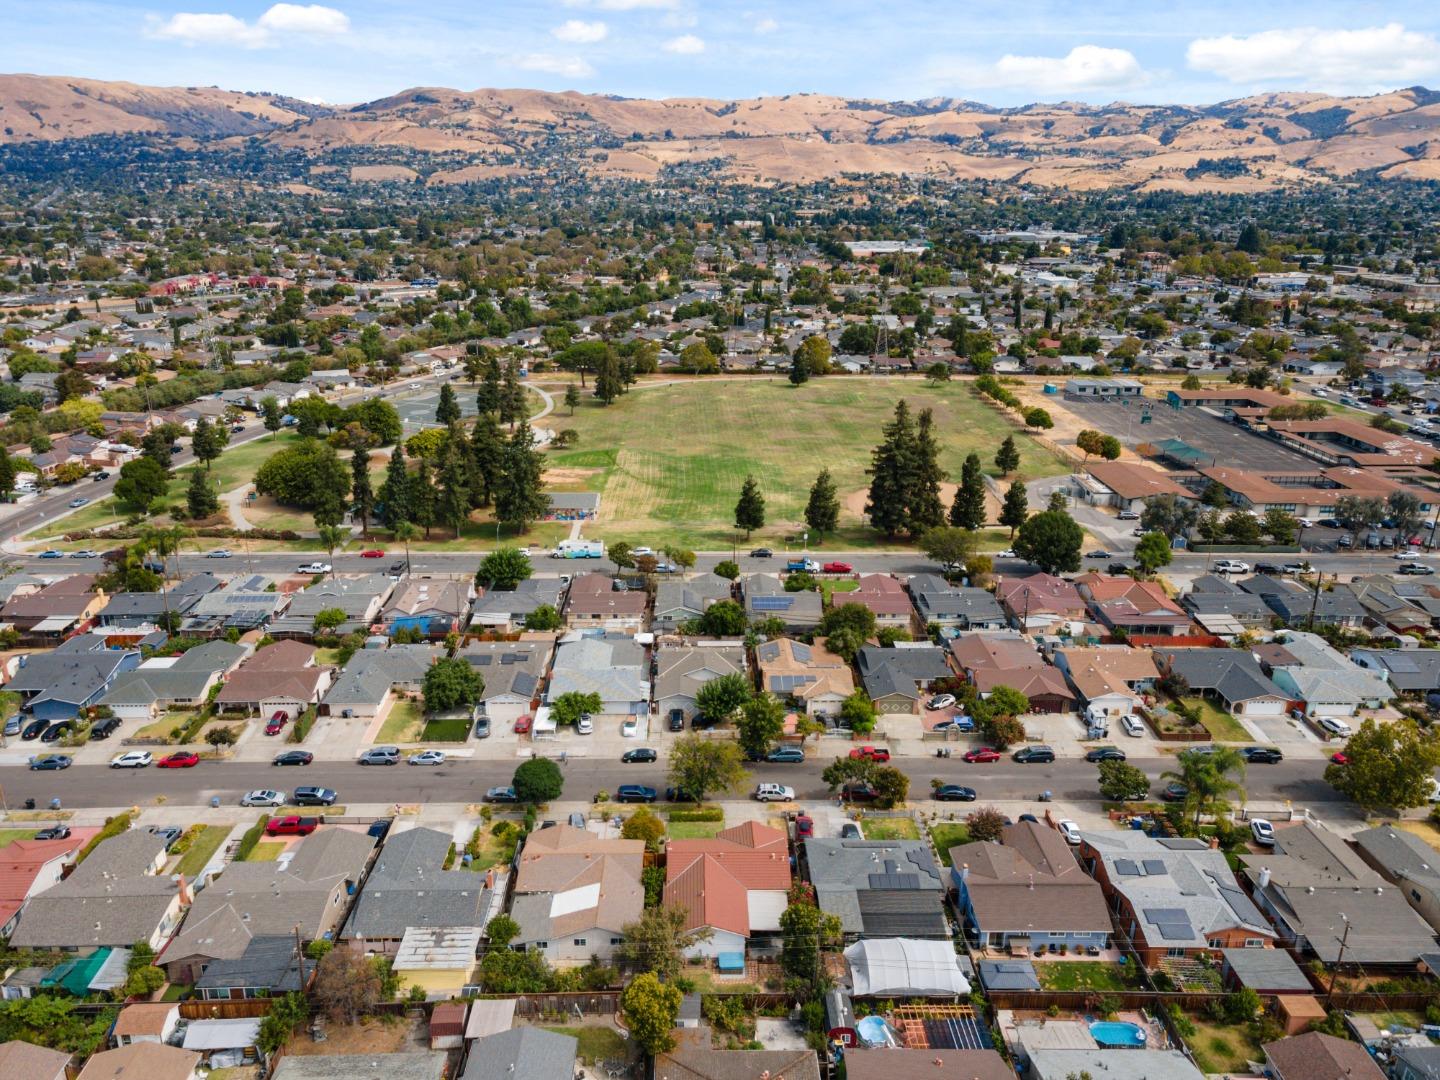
1112, 1033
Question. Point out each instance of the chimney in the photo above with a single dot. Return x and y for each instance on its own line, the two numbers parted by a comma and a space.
1214, 843
183, 890
965, 872
1264, 877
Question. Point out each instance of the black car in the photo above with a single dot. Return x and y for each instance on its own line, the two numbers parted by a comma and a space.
1174, 792
397, 568
103, 729
502, 795
761, 553
954, 793
1266, 568
482, 728
313, 796
635, 793
1033, 755
57, 731
171, 833
379, 828
1118, 569
674, 794
1103, 753
55, 832
49, 763
644, 754
858, 791
677, 719
294, 757
34, 729
1264, 755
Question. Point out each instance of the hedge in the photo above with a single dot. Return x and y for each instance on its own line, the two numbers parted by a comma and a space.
251, 838
113, 827
303, 725
709, 813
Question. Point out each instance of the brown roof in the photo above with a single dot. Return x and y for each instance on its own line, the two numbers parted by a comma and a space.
142, 1061
829, 674
68, 596
1030, 882
144, 1018
881, 593
1315, 1056
1041, 594
562, 858
693, 1059
1033, 682
26, 1061
285, 669
1131, 481
900, 1064
712, 878
594, 594
281, 656
1109, 670
975, 651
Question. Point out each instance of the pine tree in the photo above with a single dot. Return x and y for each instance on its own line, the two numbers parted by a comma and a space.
362, 496
205, 445
608, 383
799, 368
487, 454
822, 512
7, 472
1007, 458
395, 501
422, 497
447, 411
926, 510
968, 510
750, 510
572, 397
200, 498
520, 497
487, 397
512, 394
888, 503
1016, 507
452, 505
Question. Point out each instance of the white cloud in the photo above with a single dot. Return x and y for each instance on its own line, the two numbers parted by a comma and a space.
626, 5
278, 22
569, 67
766, 26
1084, 68
684, 45
580, 32
1333, 59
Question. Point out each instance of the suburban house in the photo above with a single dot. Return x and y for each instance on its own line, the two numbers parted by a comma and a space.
809, 677
679, 601
1174, 898
1028, 892
115, 898
594, 602
512, 671
1134, 607
1041, 602
145, 609
766, 598
165, 682
954, 607
28, 867
431, 607
885, 597
282, 677
408, 887
693, 1059
440, 960
878, 888
736, 885
1327, 681
268, 966
1231, 677
1317, 890
575, 892
242, 604
1317, 1056
1297, 606
1223, 608
357, 598
505, 611
1412, 865
402, 1065
154, 1061
609, 664
1415, 1063
77, 674
365, 685
897, 1063
58, 609
1409, 671
534, 1053
1111, 679
897, 678
681, 670
26, 1061
1008, 659
309, 895
146, 1021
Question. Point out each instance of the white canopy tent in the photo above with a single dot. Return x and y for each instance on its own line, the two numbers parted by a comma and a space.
906, 967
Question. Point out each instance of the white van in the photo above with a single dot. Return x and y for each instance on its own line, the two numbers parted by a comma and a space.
25, 486
1133, 725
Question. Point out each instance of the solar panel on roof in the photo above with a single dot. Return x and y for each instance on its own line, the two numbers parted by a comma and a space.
1176, 931
480, 661
1165, 915
771, 603
1126, 868
801, 652
894, 881
1154, 866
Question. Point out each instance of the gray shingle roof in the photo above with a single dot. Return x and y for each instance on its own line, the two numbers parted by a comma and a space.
900, 670
1233, 674
371, 673
407, 887
529, 1052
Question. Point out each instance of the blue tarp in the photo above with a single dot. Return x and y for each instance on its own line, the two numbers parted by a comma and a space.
731, 962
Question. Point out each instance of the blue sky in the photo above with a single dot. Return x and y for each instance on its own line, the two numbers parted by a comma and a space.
1004, 53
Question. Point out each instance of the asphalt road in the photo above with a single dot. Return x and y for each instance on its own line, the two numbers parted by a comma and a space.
1071, 780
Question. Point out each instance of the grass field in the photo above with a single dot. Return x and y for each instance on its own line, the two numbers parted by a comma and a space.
670, 460
404, 724
1222, 726
596, 1043
1082, 975
266, 851
202, 849
1223, 1048
946, 835
449, 729
890, 829
693, 830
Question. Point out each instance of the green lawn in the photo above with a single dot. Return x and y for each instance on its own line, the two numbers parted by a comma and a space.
890, 829
670, 460
176, 992
404, 724
693, 830
266, 851
596, 1043
454, 729
946, 835
829, 588
1223, 1048
202, 849
1082, 975
9, 704
1221, 725
9, 836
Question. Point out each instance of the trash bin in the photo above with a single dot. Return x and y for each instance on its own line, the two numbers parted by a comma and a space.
54, 804
214, 802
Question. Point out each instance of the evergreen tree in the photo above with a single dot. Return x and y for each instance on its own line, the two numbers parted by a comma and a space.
608, 383
487, 397
799, 368
270, 410
750, 510
572, 397
1016, 508
487, 455
968, 510
447, 411
7, 472
520, 497
395, 500
926, 510
453, 499
888, 505
422, 497
512, 394
362, 496
205, 443
822, 512
200, 499
1007, 458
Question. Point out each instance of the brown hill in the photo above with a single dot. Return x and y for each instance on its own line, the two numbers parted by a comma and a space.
1248, 144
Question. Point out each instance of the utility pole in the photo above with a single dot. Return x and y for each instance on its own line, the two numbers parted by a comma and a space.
1335, 972
1314, 600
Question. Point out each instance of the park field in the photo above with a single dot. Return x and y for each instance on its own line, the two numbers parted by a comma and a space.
669, 459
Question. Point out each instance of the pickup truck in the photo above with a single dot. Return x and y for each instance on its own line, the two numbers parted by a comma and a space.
802, 565
837, 568
291, 825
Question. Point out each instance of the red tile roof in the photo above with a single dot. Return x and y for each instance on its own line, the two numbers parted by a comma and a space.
711, 879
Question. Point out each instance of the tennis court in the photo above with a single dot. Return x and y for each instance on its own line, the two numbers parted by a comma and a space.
1208, 438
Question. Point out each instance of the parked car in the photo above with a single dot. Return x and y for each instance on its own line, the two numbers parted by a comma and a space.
294, 757
427, 757
313, 796
1263, 755
276, 723
837, 568
785, 755
51, 553
635, 793
804, 826
1340, 758
103, 729
372, 553
34, 729
1232, 566
397, 568
1267, 568
1033, 755
1132, 725
1127, 515
851, 831
981, 754
630, 729
54, 832
1262, 832
522, 724
858, 791
761, 553
482, 727
378, 828
1104, 753
13, 725
1174, 792
1415, 569
180, 759
83, 553
169, 833
585, 725
871, 753
940, 701
1098, 553
674, 794
314, 568
774, 793
262, 797
639, 756
50, 762
1295, 568
502, 795
291, 825
954, 793
677, 720
381, 755
1334, 726
955, 723
101, 475
1071, 832
131, 759
58, 730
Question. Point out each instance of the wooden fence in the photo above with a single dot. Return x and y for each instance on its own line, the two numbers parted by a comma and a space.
233, 1009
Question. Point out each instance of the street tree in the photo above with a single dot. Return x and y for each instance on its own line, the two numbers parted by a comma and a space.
1209, 780
1153, 551
948, 546
1403, 509
331, 537
1051, 540
822, 511
1016, 507
1170, 515
504, 569
1388, 766
1120, 780
760, 724
537, 780
699, 766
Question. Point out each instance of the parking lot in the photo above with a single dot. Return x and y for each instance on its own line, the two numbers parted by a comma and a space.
1225, 442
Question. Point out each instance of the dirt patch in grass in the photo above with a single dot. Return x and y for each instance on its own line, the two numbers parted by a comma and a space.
383, 1036
404, 724
948, 834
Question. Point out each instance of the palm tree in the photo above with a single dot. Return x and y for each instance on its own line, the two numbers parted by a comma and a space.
331, 537
1206, 777
164, 542
405, 532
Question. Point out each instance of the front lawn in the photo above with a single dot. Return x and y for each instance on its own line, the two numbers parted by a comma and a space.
693, 830
266, 851
596, 1043
1221, 725
454, 729
1084, 975
1224, 1048
9, 836
946, 835
202, 849
405, 724
890, 829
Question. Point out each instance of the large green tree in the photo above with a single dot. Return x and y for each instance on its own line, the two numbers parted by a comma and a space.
308, 474
504, 569
1051, 540
538, 780
968, 509
650, 1008
451, 683
1007, 458
892, 471
721, 696
520, 498
750, 509
1209, 779
822, 511
925, 509
141, 482
396, 503
447, 409
699, 766
1016, 507
760, 724
1153, 551
949, 546
1388, 766
362, 495
200, 498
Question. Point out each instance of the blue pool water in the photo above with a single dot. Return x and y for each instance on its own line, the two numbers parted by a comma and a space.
1109, 1033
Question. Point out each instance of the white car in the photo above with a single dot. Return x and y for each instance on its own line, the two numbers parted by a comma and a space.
1407, 555
630, 729
1071, 832
1008, 553
131, 759
1263, 832
774, 793
218, 553
941, 701
428, 757
585, 725
1232, 566
263, 797
1132, 725
314, 568
1305, 523
642, 551
1334, 727
1434, 795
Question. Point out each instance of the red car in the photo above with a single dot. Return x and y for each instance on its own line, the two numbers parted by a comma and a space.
373, 553
181, 759
1340, 758
276, 724
982, 753
522, 725
873, 753
836, 568
293, 825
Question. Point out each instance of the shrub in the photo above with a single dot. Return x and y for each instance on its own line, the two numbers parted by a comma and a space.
251, 838
113, 827
303, 725
707, 813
